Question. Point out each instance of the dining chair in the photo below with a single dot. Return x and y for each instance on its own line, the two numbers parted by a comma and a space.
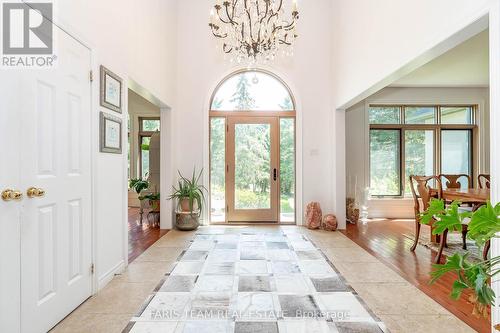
444, 236
483, 180
452, 181
421, 191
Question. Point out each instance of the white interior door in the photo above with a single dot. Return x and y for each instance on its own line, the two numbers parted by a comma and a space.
10, 135
55, 154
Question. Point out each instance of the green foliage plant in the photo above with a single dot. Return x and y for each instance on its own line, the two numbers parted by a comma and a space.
138, 185
190, 189
471, 275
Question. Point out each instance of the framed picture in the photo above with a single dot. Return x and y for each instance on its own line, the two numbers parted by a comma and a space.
111, 134
111, 90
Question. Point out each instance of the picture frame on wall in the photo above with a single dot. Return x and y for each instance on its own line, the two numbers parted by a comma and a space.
111, 90
110, 134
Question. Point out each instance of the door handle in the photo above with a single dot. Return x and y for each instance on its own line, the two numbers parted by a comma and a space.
9, 195
34, 192
275, 174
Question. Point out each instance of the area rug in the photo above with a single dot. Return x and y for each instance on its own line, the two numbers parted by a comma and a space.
454, 242
234, 280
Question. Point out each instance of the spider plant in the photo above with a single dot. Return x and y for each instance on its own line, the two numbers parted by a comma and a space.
138, 185
190, 190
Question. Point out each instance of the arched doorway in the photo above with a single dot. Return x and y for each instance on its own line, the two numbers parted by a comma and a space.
252, 149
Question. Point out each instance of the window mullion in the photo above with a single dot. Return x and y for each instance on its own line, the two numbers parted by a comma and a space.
402, 170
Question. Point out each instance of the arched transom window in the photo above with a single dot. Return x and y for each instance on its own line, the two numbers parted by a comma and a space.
252, 91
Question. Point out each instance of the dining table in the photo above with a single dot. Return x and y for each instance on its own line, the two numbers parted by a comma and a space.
473, 196
465, 195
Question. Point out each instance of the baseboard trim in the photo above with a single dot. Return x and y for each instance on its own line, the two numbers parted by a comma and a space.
109, 275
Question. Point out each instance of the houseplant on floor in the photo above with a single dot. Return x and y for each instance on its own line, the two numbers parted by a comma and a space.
190, 196
471, 275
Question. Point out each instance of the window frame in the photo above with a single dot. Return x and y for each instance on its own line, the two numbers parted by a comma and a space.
144, 134
437, 127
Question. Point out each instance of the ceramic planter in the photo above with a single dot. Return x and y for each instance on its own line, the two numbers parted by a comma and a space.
187, 221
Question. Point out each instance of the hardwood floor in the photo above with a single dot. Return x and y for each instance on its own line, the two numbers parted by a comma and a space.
140, 237
390, 242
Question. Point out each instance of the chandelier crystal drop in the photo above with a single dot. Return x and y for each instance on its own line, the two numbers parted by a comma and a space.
254, 30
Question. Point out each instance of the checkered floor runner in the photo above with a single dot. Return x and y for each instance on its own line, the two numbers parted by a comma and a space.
262, 280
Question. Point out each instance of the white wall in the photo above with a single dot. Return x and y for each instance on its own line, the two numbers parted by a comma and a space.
201, 66
376, 39
135, 40
357, 140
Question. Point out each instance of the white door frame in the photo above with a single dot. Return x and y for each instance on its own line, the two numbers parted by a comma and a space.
166, 156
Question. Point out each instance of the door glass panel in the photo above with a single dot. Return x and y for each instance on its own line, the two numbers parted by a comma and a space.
287, 169
385, 162
456, 152
419, 155
252, 145
217, 170
420, 115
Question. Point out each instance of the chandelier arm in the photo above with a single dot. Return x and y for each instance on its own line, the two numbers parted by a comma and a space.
220, 17
289, 26
217, 34
279, 7
250, 29
271, 16
281, 41
262, 20
229, 16
226, 51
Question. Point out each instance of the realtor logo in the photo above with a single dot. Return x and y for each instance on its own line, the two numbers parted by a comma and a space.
27, 32
27, 28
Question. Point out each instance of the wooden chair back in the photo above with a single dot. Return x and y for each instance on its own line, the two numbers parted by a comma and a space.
421, 189
452, 181
483, 181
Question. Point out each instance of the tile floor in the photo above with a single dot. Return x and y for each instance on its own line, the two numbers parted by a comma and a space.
259, 279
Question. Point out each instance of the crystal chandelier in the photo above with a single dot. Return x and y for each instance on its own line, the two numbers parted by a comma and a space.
254, 30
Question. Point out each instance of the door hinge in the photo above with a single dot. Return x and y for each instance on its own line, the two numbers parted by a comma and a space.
91, 76
227, 128
92, 269
227, 167
227, 208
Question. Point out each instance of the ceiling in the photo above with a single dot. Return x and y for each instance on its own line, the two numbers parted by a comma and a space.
466, 65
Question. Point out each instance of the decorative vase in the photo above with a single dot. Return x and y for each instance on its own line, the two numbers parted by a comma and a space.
187, 221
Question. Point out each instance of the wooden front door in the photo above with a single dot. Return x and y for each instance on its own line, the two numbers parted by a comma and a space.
252, 178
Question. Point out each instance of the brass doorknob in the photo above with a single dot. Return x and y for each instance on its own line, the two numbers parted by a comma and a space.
34, 192
9, 195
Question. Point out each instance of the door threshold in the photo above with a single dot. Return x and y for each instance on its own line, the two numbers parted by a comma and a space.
250, 223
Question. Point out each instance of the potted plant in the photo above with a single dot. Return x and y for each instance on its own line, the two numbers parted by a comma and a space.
138, 185
472, 275
190, 196
154, 201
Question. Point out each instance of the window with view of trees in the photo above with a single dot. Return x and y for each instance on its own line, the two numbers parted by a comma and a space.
252, 91
418, 140
147, 126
